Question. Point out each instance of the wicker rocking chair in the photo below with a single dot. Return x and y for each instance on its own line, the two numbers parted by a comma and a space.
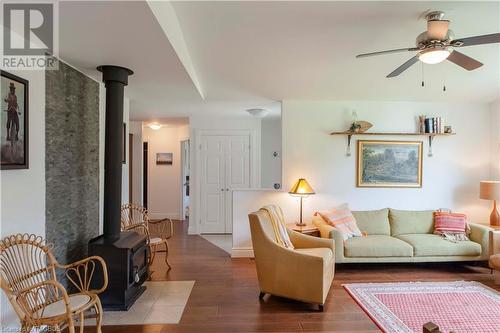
28, 278
157, 231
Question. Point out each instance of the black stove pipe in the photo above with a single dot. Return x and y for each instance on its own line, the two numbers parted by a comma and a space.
115, 79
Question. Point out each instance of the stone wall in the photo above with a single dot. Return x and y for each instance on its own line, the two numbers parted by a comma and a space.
71, 162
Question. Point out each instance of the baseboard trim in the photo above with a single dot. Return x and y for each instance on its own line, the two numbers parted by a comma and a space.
242, 252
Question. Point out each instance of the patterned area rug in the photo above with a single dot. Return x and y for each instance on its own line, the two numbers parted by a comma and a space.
405, 307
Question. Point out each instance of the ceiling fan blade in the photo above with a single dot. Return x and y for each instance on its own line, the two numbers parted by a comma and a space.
403, 67
477, 40
437, 29
363, 55
464, 61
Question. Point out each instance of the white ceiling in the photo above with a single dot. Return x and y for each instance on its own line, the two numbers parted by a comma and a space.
251, 54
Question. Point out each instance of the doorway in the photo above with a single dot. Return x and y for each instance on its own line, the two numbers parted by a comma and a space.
145, 175
185, 174
224, 166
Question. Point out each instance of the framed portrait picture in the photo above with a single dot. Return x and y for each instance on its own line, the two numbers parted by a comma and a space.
14, 120
389, 164
164, 158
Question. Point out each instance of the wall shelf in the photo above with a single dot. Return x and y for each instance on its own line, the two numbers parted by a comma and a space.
430, 137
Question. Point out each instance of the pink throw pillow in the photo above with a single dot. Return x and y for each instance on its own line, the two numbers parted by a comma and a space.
343, 221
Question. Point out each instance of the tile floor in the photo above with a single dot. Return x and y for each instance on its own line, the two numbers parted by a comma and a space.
163, 302
224, 242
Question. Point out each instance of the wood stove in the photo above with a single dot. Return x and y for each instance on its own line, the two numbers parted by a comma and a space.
125, 253
127, 261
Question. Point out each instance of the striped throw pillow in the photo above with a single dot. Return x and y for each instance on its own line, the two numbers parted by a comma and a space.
452, 226
343, 221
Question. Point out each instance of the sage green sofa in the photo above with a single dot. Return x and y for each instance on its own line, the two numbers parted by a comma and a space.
403, 236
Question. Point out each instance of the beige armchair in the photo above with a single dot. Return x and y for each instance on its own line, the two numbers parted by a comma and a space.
304, 273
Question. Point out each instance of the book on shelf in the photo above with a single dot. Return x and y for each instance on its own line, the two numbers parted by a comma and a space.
433, 125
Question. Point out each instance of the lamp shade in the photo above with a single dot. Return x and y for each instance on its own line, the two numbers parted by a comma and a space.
301, 187
489, 190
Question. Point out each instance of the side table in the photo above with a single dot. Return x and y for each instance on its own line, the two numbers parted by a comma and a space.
308, 229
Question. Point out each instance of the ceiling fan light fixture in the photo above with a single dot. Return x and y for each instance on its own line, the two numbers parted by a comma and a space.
433, 56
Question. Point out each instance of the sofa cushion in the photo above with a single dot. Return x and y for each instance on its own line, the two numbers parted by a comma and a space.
428, 245
411, 222
373, 222
377, 246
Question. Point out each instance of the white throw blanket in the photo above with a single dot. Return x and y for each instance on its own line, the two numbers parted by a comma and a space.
278, 222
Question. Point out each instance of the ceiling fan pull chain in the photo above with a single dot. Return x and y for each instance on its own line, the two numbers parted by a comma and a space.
423, 84
444, 80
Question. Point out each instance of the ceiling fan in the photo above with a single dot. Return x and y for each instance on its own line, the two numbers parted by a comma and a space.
437, 44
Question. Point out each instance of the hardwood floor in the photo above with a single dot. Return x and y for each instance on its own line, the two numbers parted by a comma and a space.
225, 297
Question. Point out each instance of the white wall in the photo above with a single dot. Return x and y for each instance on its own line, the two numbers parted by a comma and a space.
135, 128
495, 134
450, 178
270, 143
198, 124
22, 194
164, 181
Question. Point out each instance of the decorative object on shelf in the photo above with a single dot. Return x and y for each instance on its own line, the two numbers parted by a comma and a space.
421, 124
389, 164
433, 124
360, 126
301, 189
14, 142
164, 158
430, 137
490, 190
448, 130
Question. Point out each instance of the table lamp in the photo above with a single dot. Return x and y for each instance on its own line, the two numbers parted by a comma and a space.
301, 189
490, 190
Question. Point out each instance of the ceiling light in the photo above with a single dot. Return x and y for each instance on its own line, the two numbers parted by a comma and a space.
258, 113
154, 126
433, 56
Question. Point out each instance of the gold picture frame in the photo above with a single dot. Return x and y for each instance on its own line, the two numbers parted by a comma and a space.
383, 163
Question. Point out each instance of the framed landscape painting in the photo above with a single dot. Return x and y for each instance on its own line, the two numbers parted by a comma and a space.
389, 164
14, 122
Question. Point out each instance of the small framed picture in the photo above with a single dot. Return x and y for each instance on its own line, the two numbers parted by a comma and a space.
164, 158
389, 164
14, 121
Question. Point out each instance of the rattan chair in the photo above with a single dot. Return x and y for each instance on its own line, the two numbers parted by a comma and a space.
28, 278
157, 231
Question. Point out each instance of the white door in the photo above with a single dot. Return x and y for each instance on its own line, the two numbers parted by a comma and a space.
225, 165
237, 171
213, 183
